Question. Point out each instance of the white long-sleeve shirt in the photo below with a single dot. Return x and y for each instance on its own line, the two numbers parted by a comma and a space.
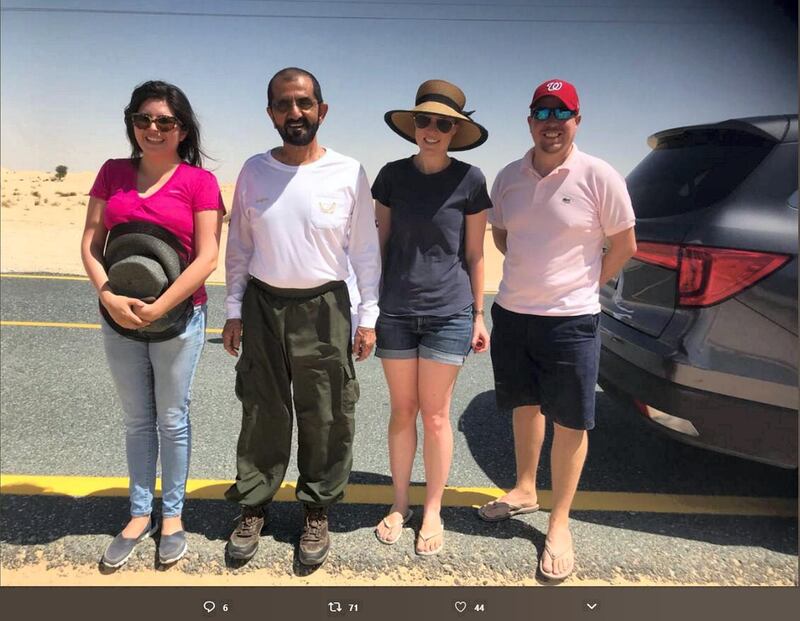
294, 227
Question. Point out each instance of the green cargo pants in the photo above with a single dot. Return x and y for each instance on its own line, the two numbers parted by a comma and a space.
296, 350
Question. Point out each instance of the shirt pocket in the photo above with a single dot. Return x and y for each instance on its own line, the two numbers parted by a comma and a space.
330, 210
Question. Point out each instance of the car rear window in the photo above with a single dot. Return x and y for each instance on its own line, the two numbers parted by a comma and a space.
693, 170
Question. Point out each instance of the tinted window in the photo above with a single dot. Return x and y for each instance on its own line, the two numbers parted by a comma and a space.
793, 200
693, 170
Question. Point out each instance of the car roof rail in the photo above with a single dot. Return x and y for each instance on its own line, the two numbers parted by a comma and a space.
776, 128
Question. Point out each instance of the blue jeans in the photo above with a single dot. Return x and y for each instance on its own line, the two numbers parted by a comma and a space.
154, 382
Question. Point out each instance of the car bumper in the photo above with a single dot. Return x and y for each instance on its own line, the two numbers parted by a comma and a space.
756, 431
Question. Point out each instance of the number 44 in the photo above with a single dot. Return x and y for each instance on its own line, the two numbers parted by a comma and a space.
480, 607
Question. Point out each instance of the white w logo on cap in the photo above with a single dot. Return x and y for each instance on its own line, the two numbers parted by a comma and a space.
554, 86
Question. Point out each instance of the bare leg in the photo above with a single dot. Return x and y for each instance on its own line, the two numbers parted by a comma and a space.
171, 525
401, 377
566, 462
436, 383
529, 430
136, 526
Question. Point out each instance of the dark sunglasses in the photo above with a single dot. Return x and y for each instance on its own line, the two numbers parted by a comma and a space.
443, 125
561, 114
164, 122
284, 105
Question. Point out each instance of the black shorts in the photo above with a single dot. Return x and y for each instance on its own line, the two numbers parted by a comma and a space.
547, 361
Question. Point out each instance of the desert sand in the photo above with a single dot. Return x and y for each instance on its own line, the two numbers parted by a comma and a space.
42, 574
41, 222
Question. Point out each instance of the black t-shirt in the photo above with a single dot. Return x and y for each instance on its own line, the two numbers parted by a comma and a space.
425, 271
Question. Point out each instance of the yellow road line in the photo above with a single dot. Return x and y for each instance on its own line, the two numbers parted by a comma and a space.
207, 489
50, 324
43, 277
213, 283
81, 326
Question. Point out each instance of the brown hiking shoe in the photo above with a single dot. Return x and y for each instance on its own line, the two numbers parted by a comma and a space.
243, 542
315, 541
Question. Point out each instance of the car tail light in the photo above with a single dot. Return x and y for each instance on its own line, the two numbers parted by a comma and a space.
663, 255
707, 275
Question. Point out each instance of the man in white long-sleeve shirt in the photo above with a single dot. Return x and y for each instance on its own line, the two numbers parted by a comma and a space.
299, 212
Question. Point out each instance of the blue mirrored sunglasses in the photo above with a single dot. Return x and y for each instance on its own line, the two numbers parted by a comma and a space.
561, 114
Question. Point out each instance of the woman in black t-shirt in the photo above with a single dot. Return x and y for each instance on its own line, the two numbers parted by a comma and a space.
431, 212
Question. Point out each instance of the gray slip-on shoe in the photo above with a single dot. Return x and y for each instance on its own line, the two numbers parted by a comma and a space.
120, 549
172, 547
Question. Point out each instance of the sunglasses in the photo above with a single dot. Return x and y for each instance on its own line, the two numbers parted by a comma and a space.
560, 114
284, 105
443, 125
164, 122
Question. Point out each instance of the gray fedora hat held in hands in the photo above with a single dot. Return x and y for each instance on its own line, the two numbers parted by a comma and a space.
142, 260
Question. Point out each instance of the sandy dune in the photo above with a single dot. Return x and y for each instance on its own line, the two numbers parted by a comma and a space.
41, 221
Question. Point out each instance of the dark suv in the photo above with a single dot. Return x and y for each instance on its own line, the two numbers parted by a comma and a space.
699, 331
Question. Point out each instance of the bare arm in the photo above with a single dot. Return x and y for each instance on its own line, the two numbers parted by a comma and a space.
475, 234
207, 227
383, 217
92, 243
622, 247
499, 236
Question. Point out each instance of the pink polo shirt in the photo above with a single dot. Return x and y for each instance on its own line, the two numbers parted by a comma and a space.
172, 206
556, 228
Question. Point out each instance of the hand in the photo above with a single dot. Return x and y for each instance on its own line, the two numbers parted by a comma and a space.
123, 310
148, 312
232, 336
480, 336
363, 342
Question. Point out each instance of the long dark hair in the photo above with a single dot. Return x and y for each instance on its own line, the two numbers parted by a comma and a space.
189, 149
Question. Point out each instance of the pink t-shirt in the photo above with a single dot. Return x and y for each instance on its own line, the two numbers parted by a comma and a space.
556, 226
172, 206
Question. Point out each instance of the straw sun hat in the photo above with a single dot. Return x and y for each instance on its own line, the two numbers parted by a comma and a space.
142, 260
445, 99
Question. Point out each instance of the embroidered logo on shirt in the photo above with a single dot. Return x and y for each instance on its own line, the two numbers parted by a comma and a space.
325, 207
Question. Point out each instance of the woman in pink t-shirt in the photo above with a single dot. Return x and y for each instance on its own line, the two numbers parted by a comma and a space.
161, 184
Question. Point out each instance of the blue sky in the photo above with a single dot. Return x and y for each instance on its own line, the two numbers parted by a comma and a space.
639, 65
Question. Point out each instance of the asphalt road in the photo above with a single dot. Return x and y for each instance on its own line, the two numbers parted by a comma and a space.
60, 416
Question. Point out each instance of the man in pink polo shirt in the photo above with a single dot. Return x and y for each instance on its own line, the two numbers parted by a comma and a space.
554, 210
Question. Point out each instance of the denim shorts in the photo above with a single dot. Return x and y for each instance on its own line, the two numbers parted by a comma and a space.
546, 361
441, 339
